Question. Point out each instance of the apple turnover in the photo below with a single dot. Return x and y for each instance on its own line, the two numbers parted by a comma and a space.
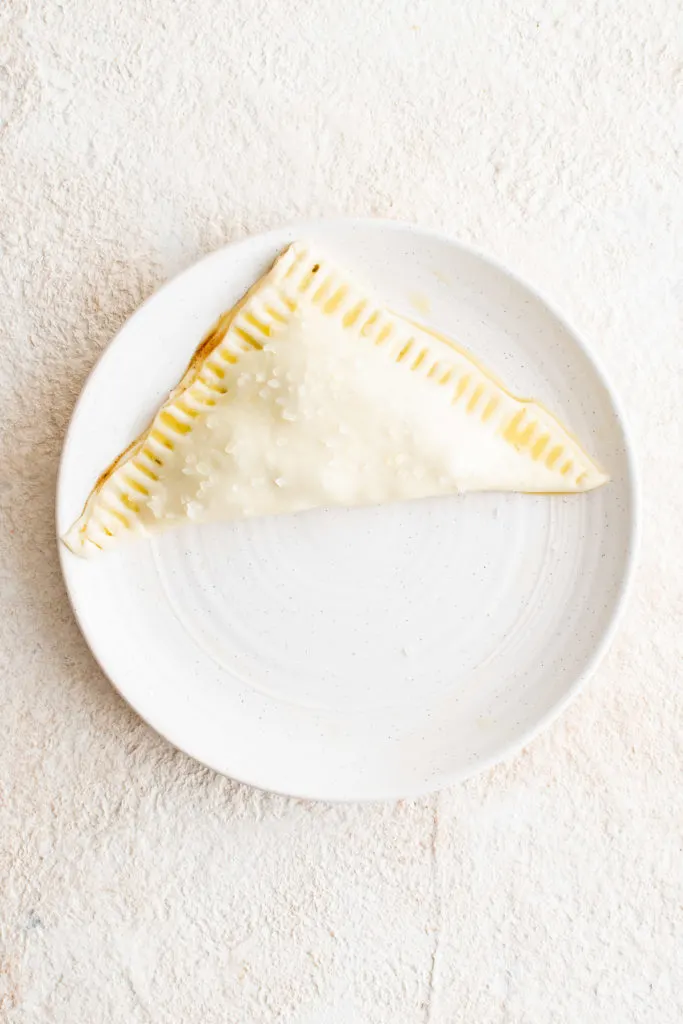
309, 393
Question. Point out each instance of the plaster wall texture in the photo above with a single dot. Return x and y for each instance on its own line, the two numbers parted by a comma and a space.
138, 886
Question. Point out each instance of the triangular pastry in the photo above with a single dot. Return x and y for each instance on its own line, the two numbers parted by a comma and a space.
309, 393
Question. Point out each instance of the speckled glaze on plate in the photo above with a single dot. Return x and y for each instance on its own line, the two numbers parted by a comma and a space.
367, 653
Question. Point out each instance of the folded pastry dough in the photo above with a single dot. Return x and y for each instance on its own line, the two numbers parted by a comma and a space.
309, 393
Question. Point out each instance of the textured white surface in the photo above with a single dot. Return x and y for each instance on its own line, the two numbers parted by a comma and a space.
137, 886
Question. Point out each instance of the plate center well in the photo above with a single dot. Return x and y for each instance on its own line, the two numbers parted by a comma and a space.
355, 609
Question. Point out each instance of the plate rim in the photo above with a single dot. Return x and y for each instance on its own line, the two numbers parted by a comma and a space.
632, 482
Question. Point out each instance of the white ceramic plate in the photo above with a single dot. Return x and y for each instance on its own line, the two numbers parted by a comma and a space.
368, 653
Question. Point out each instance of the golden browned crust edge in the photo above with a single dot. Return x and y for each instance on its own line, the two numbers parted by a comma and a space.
211, 340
